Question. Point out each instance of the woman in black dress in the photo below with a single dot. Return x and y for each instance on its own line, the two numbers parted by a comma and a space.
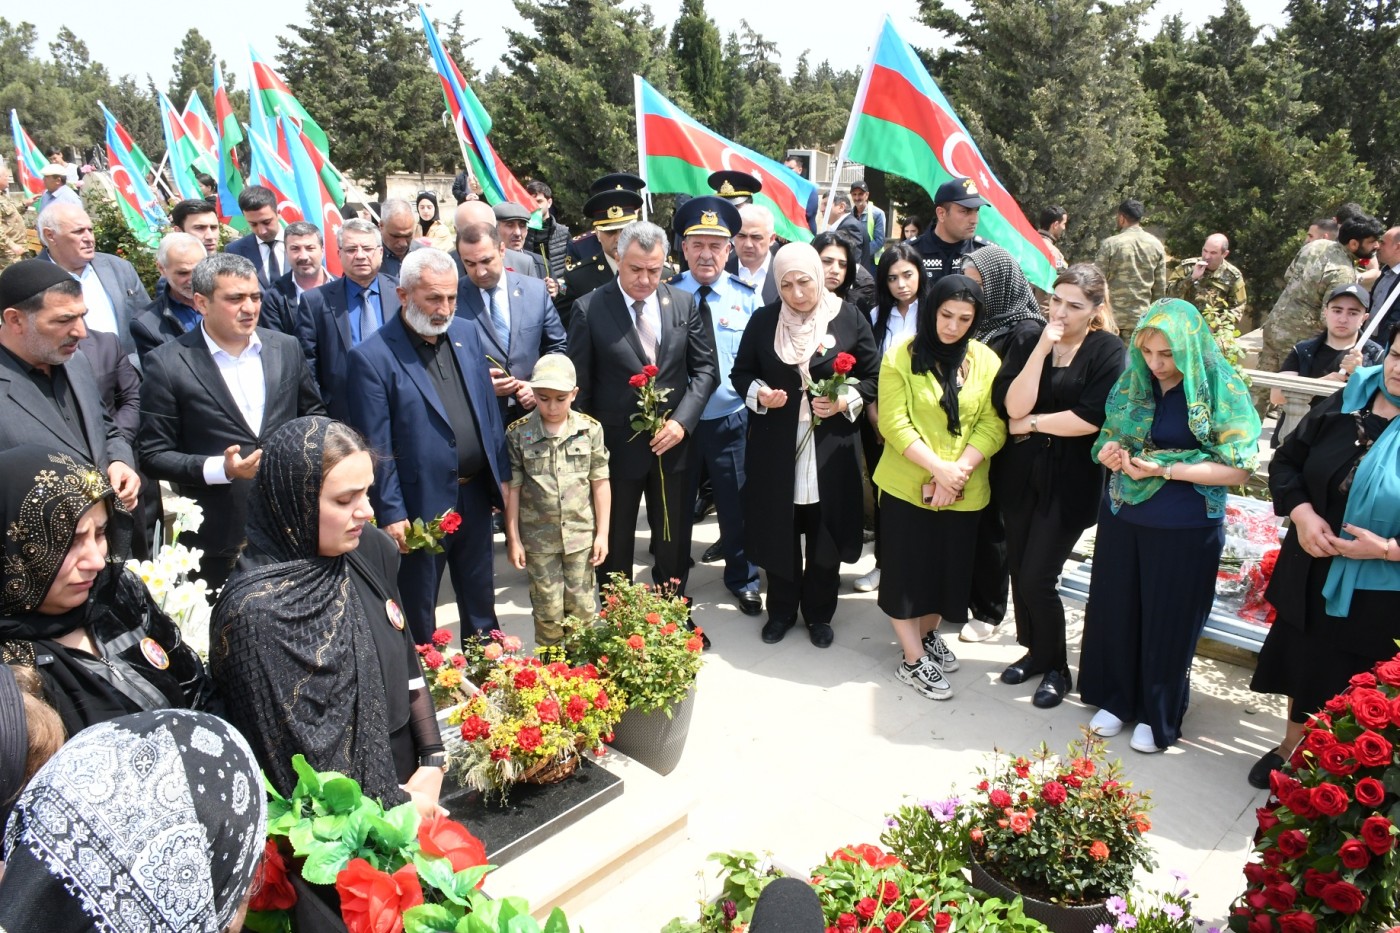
1336, 585
803, 477
845, 277
1052, 393
310, 650
70, 610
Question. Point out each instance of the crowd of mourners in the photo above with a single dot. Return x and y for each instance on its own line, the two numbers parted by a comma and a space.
494, 368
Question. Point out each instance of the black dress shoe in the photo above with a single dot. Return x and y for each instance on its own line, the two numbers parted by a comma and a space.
1053, 687
703, 507
821, 634
1019, 671
774, 629
1270, 762
712, 553
750, 603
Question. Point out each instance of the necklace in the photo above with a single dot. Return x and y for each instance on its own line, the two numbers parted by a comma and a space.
1061, 358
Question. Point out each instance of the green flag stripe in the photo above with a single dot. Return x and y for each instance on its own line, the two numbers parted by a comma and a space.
669, 174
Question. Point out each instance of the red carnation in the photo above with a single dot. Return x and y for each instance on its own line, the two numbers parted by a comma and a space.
889, 892
999, 798
1338, 759
433, 658
1330, 799
1376, 831
1054, 793
894, 919
1371, 708
1372, 750
650, 371
529, 738
576, 708
843, 363
865, 907
637, 381
1389, 671
1369, 792
1343, 897
601, 700
441, 637
526, 678
548, 710
500, 754
449, 522
1299, 921
1292, 843
474, 727
636, 643
1354, 854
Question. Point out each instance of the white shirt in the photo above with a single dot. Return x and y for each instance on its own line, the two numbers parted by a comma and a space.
243, 375
756, 277
651, 311
901, 326
101, 315
280, 250
326, 279
805, 490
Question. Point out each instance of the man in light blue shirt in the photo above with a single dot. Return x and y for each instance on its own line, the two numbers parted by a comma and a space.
56, 190
706, 226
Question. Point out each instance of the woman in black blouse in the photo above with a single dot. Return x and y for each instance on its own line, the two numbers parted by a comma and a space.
1052, 393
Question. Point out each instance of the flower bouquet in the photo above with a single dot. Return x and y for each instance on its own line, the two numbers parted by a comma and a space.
167, 577
445, 669
427, 536
1327, 837
651, 419
530, 722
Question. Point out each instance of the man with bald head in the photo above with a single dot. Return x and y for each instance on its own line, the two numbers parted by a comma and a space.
173, 313
112, 291
1210, 282
479, 212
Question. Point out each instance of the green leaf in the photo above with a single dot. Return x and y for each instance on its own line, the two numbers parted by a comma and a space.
556, 922
341, 794
436, 871
302, 836
328, 827
268, 921
308, 778
325, 861
430, 918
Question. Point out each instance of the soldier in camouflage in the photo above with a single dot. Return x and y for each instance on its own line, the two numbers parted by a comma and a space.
1135, 265
14, 235
1211, 284
559, 500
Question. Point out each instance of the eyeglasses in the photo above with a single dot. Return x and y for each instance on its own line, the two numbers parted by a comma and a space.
359, 250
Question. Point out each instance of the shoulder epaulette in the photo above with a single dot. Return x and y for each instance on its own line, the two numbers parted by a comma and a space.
589, 418
742, 285
517, 423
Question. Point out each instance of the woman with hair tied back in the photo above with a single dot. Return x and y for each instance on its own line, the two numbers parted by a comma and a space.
1052, 393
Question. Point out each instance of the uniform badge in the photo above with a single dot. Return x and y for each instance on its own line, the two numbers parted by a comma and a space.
709, 219
155, 654
395, 614
615, 212
724, 322
600, 267
726, 190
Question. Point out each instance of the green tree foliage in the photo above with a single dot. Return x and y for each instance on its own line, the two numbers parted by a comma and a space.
194, 71
695, 47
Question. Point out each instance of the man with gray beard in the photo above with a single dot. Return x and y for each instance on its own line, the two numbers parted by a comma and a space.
423, 398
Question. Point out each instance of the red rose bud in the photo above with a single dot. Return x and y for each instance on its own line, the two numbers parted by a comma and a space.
637, 381
843, 363
1354, 854
1389, 672
1376, 831
942, 922
650, 371
1267, 819
1254, 873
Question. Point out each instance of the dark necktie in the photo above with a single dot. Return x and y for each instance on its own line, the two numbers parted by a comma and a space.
705, 291
274, 269
644, 332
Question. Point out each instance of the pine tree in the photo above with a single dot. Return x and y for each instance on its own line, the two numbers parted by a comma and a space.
194, 71
695, 48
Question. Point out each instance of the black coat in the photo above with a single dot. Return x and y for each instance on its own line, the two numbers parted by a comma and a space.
771, 450
118, 382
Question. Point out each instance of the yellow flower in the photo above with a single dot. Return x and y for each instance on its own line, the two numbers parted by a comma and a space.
449, 678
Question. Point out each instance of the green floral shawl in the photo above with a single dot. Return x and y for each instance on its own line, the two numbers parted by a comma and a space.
1218, 408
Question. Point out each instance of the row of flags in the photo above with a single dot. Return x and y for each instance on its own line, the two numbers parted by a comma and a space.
900, 123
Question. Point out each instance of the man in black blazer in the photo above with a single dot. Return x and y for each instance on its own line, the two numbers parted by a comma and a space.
172, 312
211, 396
306, 254
48, 392
479, 212
264, 246
615, 331
335, 318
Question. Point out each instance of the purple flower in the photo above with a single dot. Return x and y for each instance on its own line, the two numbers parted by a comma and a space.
1127, 922
1116, 906
1103, 928
730, 909
943, 811
1173, 912
1178, 874
891, 822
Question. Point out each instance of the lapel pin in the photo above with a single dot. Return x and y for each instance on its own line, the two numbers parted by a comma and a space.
665, 300
600, 267
456, 344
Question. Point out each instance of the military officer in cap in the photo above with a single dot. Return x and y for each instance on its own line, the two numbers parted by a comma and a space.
735, 187
585, 245
610, 211
953, 235
706, 226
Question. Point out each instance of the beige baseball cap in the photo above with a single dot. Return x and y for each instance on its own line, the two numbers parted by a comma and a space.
53, 168
555, 371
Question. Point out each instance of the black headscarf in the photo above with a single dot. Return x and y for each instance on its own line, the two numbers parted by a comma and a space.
14, 741
1006, 293
426, 225
291, 651
151, 823
944, 360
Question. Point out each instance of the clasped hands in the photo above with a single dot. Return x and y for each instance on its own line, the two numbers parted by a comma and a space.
948, 478
1114, 456
1317, 539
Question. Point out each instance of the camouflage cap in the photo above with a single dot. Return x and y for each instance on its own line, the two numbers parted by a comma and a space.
555, 371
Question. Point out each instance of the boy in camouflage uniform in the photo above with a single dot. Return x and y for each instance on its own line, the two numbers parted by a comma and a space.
557, 509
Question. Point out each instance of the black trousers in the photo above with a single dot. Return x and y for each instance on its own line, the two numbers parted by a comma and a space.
1037, 546
990, 577
809, 585
1149, 596
673, 556
467, 558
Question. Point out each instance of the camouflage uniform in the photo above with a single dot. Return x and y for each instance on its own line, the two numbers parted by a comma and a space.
555, 476
1057, 259
1223, 289
1135, 265
13, 232
1319, 267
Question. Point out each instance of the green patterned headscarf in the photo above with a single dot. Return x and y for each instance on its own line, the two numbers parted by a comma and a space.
1218, 409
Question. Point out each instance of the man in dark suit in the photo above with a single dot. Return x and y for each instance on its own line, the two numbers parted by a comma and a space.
844, 220
615, 332
479, 212
112, 291
48, 391
263, 247
210, 397
515, 321
423, 399
306, 252
172, 312
398, 224
199, 219
335, 318
754, 246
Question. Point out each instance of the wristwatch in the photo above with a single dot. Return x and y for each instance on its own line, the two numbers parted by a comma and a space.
435, 760
1035, 424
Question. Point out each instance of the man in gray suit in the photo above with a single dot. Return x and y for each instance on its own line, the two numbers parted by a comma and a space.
112, 291
48, 393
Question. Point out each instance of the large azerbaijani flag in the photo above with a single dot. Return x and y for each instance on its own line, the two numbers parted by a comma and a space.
267, 168
140, 208
230, 174
473, 125
269, 99
29, 161
678, 155
180, 149
901, 123
315, 200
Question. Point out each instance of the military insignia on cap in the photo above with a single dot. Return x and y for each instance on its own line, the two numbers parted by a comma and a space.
709, 219
726, 190
970, 185
615, 212
395, 614
155, 654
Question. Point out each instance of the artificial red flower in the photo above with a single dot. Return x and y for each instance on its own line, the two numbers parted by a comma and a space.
847, 923
372, 901
669, 628
999, 798
1354, 854
576, 708
942, 922
1054, 793
433, 658
1389, 671
866, 907
548, 709
694, 644
636, 643
1371, 708
1330, 799
500, 754
601, 700
450, 522
449, 839
843, 363
889, 892
893, 921
1098, 850
1300, 921
1343, 897
871, 855
529, 738
474, 727
1292, 843
1376, 831
637, 381
650, 372
525, 678
272, 889
1372, 749
1369, 792
1280, 896
441, 637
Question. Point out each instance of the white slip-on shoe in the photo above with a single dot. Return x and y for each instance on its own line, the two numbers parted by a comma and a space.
1142, 740
1106, 724
976, 630
868, 583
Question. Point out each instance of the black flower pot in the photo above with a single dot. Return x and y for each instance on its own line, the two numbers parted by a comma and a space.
1060, 918
654, 739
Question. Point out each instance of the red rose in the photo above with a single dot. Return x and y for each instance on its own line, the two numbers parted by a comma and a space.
1299, 800
1318, 741
637, 381
1343, 897
889, 892
1299, 921
866, 907
474, 727
529, 738
999, 798
1354, 854
1364, 679
1339, 759
500, 754
1254, 873
1369, 792
847, 923
636, 643
1371, 708
1071, 780
1395, 711
650, 371
942, 922
372, 901
975, 834
449, 839
576, 708
449, 523
1098, 851
1315, 881
1292, 843
441, 637
1330, 799
1267, 819
843, 363
918, 908
548, 710
1389, 671
1376, 831
1372, 750
1280, 896
526, 678
1261, 923
271, 888
894, 919
1054, 793
693, 644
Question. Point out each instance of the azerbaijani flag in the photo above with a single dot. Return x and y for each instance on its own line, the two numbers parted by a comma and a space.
270, 170
29, 161
314, 199
677, 156
269, 99
902, 123
180, 150
140, 208
202, 134
230, 174
472, 124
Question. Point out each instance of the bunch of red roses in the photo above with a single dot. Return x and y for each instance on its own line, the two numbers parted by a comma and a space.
864, 889
1327, 836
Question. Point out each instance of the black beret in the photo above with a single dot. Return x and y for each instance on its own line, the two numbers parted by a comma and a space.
25, 279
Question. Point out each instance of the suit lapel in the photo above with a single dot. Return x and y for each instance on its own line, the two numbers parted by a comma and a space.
28, 397
338, 300
480, 318
515, 295
388, 299
616, 302
668, 315
272, 377
206, 373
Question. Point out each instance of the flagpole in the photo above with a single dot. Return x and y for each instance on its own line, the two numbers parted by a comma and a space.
641, 139
856, 105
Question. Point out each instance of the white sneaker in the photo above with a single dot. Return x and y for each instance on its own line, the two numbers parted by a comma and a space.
1142, 740
936, 648
926, 677
1106, 724
976, 630
869, 582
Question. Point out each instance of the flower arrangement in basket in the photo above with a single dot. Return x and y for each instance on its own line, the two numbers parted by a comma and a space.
530, 722
167, 577
1327, 837
640, 643
390, 869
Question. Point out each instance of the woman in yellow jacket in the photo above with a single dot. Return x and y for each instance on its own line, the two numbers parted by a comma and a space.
940, 430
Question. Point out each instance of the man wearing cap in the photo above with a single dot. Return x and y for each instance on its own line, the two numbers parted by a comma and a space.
512, 222
954, 232
48, 391
870, 217
705, 226
1134, 263
1334, 354
585, 245
1211, 283
56, 190
112, 291
611, 210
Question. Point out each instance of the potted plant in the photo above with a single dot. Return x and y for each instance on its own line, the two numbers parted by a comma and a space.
641, 645
1326, 845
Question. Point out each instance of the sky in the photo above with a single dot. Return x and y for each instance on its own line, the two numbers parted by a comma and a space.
141, 40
